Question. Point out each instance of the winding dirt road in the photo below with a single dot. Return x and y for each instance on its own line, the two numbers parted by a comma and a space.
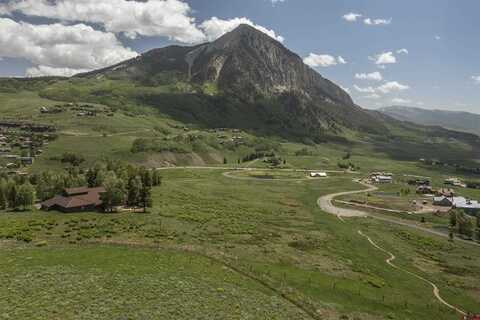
326, 203
436, 291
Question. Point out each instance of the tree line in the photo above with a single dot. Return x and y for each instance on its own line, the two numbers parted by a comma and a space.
124, 184
461, 223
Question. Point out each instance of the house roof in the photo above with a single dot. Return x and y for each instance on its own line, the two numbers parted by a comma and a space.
459, 202
424, 187
442, 198
76, 197
463, 203
384, 177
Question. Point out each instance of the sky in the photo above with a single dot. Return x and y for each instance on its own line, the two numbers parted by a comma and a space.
383, 52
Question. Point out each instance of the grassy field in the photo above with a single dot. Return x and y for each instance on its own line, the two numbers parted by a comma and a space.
214, 247
272, 235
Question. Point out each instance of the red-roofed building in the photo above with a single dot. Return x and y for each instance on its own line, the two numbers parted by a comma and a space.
75, 200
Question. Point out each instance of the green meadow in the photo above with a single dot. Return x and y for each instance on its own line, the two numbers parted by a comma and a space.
229, 249
218, 243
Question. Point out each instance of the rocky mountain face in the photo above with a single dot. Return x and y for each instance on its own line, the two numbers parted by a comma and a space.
253, 68
462, 121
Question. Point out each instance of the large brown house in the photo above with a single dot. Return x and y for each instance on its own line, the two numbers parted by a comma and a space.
75, 200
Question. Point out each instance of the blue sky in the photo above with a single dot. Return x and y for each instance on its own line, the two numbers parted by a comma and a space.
433, 44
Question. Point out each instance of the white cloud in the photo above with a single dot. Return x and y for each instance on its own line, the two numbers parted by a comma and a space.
372, 96
384, 58
374, 76
42, 71
341, 60
401, 101
322, 60
169, 18
377, 22
165, 18
364, 90
276, 1
392, 86
215, 28
58, 47
351, 17
400, 51
476, 79
438, 38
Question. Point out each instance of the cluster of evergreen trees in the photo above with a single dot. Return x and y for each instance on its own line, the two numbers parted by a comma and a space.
125, 184
16, 195
464, 225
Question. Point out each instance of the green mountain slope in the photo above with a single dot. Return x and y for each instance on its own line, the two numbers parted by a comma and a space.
173, 97
463, 121
251, 77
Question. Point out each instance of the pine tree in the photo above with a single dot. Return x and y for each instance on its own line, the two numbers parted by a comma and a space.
25, 197
478, 226
91, 177
114, 194
147, 177
12, 195
157, 178
134, 187
3, 198
146, 198
453, 218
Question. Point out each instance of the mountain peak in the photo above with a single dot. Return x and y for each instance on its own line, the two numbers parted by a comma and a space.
243, 35
245, 28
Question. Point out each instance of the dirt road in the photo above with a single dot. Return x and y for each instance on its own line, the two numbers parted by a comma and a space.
389, 261
326, 203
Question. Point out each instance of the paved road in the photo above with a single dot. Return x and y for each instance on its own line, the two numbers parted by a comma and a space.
389, 261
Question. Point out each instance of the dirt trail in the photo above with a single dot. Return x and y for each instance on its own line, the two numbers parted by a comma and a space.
326, 203
389, 261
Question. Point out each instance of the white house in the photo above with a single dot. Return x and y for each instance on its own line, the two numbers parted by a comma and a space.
383, 179
318, 174
470, 206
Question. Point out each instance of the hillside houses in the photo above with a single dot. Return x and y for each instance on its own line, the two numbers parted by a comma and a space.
21, 142
381, 177
468, 205
424, 189
455, 182
445, 192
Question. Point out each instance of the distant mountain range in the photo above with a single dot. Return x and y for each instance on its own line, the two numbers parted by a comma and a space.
462, 121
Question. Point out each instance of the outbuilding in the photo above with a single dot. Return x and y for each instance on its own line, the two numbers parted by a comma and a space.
318, 174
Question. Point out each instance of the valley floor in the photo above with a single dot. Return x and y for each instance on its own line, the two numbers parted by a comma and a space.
221, 243
222, 248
